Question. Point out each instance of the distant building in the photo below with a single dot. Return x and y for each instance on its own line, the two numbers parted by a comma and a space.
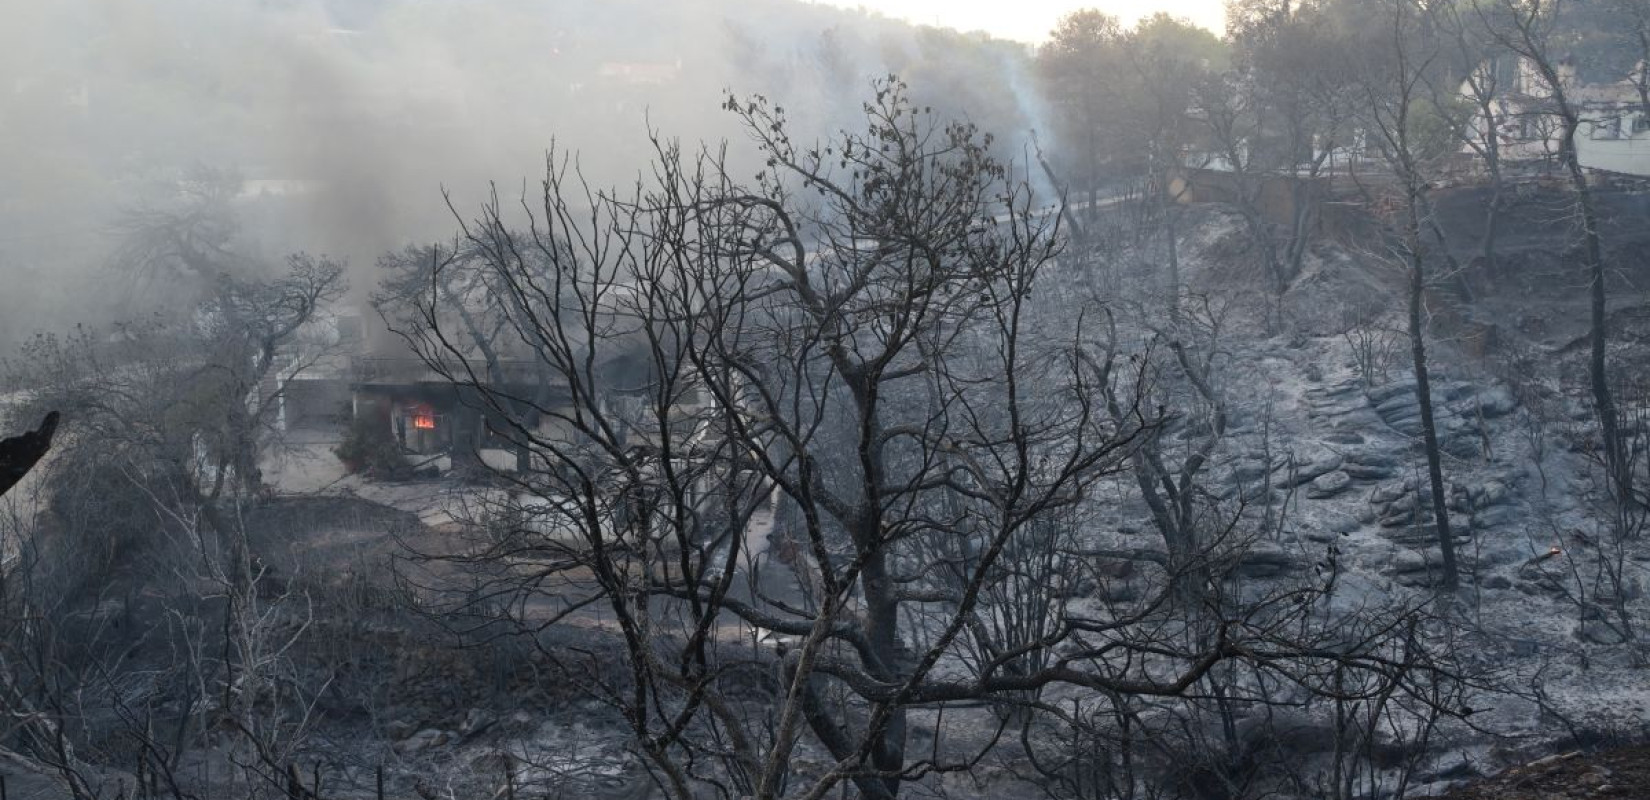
1614, 135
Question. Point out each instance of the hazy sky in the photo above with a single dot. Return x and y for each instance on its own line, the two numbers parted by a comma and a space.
1031, 20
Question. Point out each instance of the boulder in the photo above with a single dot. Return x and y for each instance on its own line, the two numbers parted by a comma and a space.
1462, 445
1451, 391
1336, 405
1408, 426
422, 741
398, 729
1381, 394
1415, 561
1259, 494
1418, 569
1371, 465
1344, 523
1250, 471
1534, 578
1459, 502
1417, 535
1328, 485
1399, 406
1361, 419
1368, 472
1492, 493
1318, 465
1372, 457
1496, 401
1397, 516
1416, 580
1599, 632
1496, 517
1495, 552
1424, 534
1384, 495
475, 722
1264, 562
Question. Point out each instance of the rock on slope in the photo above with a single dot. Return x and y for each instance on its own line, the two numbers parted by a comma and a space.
1623, 773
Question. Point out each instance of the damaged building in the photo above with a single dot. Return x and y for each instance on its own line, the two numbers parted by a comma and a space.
1614, 132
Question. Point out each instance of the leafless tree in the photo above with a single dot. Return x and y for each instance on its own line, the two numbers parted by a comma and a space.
817, 439
1637, 19
1394, 86
1374, 347
1280, 118
1476, 64
1166, 72
149, 489
1170, 476
1526, 29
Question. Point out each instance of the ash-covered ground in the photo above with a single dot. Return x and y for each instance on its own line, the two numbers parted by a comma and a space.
1321, 451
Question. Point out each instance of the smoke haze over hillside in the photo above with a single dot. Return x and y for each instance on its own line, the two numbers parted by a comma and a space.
1032, 21
346, 119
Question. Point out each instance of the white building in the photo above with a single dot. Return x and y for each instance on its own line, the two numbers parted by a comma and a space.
1616, 141
1614, 135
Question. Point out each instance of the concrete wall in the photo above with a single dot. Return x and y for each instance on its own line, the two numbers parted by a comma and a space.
1276, 196
1629, 156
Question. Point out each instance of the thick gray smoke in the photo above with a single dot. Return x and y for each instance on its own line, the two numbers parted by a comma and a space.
345, 118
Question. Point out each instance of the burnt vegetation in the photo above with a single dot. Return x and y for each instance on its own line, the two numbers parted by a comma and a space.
1149, 413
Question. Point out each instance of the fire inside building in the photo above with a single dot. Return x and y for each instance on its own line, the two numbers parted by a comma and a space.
425, 412
429, 414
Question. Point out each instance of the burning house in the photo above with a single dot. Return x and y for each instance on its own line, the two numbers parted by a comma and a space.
442, 409
428, 413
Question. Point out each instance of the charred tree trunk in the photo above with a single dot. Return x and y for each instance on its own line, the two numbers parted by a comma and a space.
1423, 391
466, 434
1170, 205
1492, 222
882, 612
1528, 37
1598, 334
1303, 218
1492, 209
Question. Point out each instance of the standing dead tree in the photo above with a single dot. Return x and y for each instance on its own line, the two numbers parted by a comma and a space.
861, 354
812, 437
1395, 74
1637, 19
1475, 110
1526, 29
1174, 489
153, 475
1277, 121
